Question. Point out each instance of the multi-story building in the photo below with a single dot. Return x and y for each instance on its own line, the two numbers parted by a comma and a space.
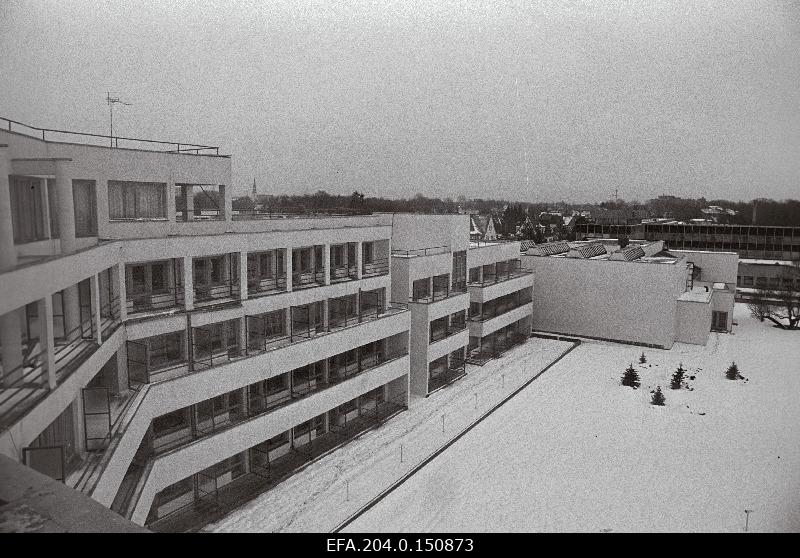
156, 357
470, 301
639, 294
749, 241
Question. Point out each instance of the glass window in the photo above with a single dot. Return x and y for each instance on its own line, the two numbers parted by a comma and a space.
136, 200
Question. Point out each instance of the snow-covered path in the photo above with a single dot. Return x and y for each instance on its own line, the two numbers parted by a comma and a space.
575, 451
326, 493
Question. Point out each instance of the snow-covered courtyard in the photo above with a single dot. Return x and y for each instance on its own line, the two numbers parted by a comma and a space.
332, 489
575, 451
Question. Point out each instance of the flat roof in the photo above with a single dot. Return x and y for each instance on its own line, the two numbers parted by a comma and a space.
696, 295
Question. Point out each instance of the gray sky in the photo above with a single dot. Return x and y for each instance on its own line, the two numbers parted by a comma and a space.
442, 98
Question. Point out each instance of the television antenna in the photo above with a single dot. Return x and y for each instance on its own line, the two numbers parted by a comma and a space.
111, 101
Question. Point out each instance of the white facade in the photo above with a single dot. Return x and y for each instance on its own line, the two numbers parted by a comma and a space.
200, 339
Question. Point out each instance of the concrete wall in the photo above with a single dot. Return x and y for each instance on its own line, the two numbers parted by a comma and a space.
626, 301
692, 322
412, 231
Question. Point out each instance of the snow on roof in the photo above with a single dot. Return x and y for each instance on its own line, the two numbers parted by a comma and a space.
698, 294
769, 262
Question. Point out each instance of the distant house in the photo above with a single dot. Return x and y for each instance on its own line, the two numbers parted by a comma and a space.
484, 227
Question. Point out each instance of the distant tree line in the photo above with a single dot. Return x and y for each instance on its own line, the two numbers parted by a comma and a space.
515, 214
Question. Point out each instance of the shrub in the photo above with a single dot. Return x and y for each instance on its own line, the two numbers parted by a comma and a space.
642, 359
733, 372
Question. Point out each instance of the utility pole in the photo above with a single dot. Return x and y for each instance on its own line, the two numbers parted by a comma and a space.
747, 519
111, 100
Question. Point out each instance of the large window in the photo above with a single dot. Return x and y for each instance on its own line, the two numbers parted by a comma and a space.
136, 200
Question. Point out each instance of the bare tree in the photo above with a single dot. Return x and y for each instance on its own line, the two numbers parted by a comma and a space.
781, 306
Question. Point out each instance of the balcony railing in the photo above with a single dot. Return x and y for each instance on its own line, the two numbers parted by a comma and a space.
110, 317
103, 140
149, 301
306, 279
259, 287
427, 297
28, 386
432, 251
218, 291
376, 267
344, 273
445, 376
500, 276
74, 347
183, 215
494, 347
497, 310
272, 464
437, 334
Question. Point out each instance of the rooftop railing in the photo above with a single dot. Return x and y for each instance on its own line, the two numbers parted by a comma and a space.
104, 140
421, 251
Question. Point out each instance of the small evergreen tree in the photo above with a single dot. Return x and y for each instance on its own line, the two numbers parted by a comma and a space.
630, 378
642, 359
677, 377
658, 397
733, 372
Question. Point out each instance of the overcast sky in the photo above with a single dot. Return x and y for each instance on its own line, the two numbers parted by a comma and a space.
442, 98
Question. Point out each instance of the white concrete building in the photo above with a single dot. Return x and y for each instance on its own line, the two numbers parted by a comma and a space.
153, 355
641, 294
470, 301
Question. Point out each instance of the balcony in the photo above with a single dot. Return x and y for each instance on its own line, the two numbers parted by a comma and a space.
154, 300
494, 345
499, 275
443, 376
344, 273
375, 268
273, 463
308, 279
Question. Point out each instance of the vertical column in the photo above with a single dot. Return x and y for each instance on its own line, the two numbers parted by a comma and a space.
11, 341
326, 263
118, 282
243, 275
65, 207
122, 368
325, 314
10, 324
94, 288
72, 313
79, 426
8, 254
359, 259
288, 263
45, 311
243, 335
188, 284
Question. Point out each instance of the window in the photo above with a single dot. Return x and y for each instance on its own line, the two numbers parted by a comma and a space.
747, 281
27, 209
475, 275
369, 252
337, 256
351, 254
85, 205
265, 263
420, 289
136, 200
166, 350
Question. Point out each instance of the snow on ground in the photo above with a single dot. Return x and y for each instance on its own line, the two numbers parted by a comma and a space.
333, 488
575, 451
